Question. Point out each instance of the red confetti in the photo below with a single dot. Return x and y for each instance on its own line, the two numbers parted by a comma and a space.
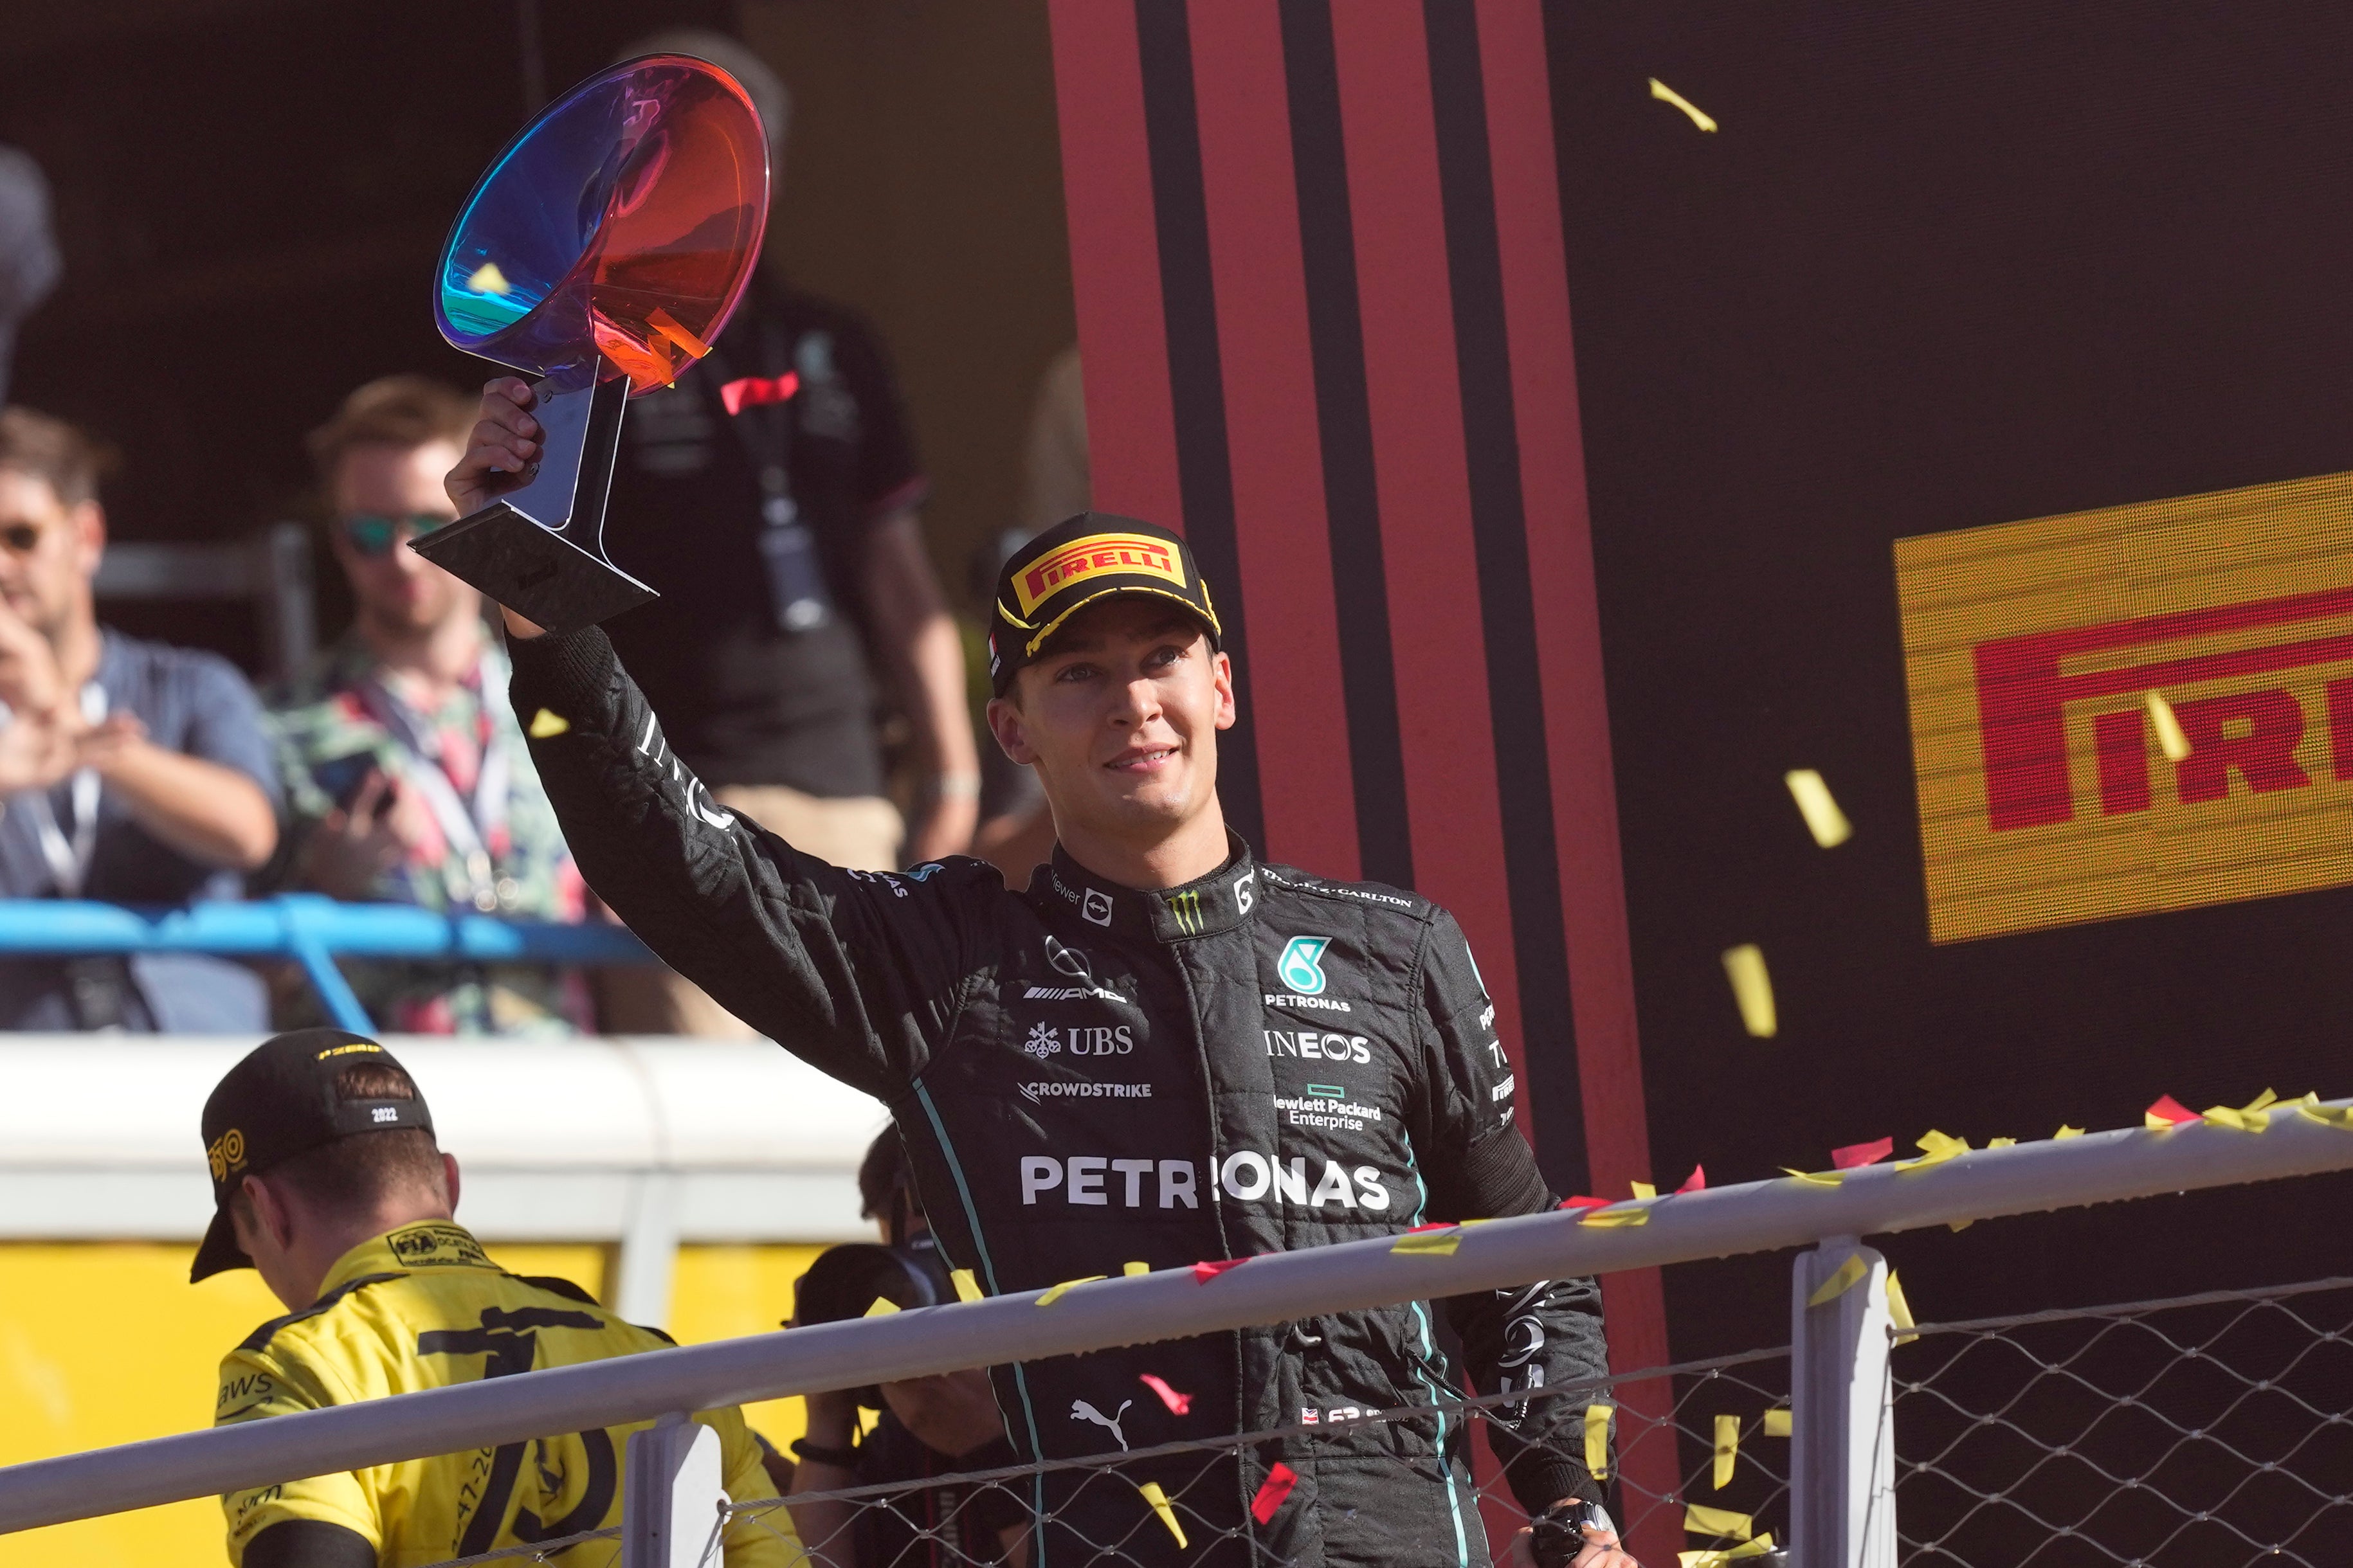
1433, 1224
1696, 1181
1178, 1404
737, 395
2169, 1109
1271, 1491
1205, 1272
1855, 1154
1584, 1203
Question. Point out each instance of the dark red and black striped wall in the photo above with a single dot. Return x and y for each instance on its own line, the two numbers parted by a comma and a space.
1324, 321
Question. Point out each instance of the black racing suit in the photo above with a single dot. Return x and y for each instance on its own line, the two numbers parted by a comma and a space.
1087, 1075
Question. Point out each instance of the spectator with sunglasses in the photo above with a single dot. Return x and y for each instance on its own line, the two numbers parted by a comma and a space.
407, 778
130, 772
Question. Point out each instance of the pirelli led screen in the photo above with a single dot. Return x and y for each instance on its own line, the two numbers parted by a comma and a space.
1967, 415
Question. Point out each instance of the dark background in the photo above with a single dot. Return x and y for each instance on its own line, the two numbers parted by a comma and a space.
1941, 266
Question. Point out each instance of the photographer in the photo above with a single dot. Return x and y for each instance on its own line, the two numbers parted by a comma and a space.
929, 1426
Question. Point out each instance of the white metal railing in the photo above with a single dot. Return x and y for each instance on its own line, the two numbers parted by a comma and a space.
1842, 1488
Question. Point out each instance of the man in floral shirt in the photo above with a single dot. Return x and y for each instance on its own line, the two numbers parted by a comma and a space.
406, 779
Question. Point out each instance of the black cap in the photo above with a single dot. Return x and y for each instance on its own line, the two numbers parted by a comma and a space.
1081, 559
278, 1102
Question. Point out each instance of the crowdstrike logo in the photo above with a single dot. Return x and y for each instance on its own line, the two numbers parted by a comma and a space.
1090, 1180
1083, 1089
1301, 967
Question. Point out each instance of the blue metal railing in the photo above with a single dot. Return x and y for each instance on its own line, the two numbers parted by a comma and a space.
313, 931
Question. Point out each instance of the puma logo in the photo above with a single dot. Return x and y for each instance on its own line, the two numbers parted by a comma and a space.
1082, 1411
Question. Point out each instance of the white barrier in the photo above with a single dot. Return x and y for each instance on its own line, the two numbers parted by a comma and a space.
1758, 1217
645, 1141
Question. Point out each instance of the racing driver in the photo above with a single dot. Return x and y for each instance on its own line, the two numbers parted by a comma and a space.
1163, 1050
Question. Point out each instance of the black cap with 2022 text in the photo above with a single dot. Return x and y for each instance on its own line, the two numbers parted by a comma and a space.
280, 1101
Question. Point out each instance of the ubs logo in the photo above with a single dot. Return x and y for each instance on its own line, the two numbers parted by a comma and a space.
2130, 710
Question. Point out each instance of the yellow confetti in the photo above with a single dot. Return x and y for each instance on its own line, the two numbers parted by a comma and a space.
1597, 1441
1159, 1501
2068, 1132
1132, 1269
1850, 1274
1429, 1243
2326, 1115
1057, 1293
1666, 94
1752, 989
2252, 1116
1717, 1557
1614, 1218
488, 279
1776, 1422
968, 1288
1815, 1178
2001, 1143
1824, 818
546, 724
1700, 1520
1643, 1189
1727, 1449
882, 1308
1936, 1149
1899, 1310
662, 322
2169, 738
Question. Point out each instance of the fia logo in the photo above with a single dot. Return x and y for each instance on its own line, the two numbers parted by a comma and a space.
1044, 1041
1098, 907
1301, 967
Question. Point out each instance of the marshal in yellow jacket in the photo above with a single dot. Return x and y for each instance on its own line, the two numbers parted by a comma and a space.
423, 1307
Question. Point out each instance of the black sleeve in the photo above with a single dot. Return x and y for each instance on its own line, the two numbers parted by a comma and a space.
858, 972
890, 479
1478, 1166
309, 1544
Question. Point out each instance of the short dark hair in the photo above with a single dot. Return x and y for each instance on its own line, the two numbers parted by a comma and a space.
66, 458
358, 1172
393, 411
882, 1177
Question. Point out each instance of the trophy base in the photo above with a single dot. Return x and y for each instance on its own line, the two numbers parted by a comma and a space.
533, 571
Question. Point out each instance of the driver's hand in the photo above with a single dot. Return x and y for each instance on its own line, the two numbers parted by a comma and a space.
502, 448
1601, 1551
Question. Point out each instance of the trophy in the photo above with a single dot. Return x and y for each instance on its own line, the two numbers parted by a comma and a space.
602, 253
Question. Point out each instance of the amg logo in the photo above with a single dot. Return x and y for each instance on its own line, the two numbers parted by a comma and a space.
1070, 993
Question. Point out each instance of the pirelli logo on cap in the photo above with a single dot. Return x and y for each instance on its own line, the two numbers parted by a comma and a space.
1098, 555
2132, 711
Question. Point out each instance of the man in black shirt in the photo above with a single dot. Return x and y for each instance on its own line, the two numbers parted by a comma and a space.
771, 495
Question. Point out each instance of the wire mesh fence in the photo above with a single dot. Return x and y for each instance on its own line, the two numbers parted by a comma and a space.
2207, 1430
1221, 1500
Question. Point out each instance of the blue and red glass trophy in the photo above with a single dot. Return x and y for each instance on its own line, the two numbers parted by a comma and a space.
602, 253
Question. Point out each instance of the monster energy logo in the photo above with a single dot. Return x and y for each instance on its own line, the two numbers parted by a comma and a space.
1186, 907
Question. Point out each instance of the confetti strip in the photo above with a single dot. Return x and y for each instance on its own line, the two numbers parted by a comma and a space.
1159, 1501
1271, 1491
2068, 1132
1178, 1404
1850, 1274
665, 323
488, 279
1936, 1148
2252, 1116
1429, 1243
1752, 988
1815, 1178
1899, 1310
546, 724
2001, 1143
2167, 1112
2169, 738
1858, 1154
1776, 1422
968, 1288
1718, 1557
1614, 1218
1824, 818
1700, 1520
1727, 1449
1696, 1181
1643, 1189
1666, 94
1056, 1294
882, 1308
1205, 1272
1597, 1441
2326, 1115
1584, 1202
1130, 1270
